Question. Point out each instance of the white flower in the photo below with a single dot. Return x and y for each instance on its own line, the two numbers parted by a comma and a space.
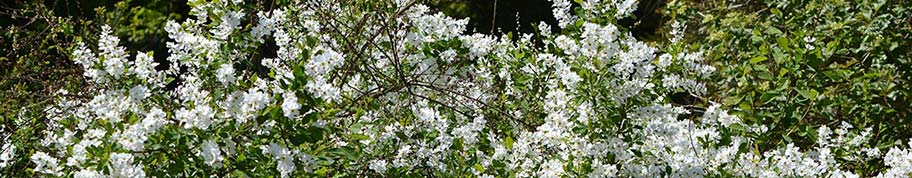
569, 135
899, 162
665, 60
677, 31
114, 56
378, 165
553, 168
252, 101
285, 166
139, 92
319, 123
478, 44
323, 89
266, 24
449, 55
121, 166
567, 76
600, 170
277, 150
290, 105
469, 132
544, 29
200, 117
211, 154
230, 21
144, 66
79, 153
88, 173
84, 56
225, 74
714, 115
431, 116
809, 43
562, 12
323, 62
871, 152
46, 164
625, 7
597, 41
132, 139
155, 119
566, 44
284, 158
7, 153
437, 26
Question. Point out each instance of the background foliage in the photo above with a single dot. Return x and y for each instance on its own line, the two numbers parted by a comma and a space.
796, 65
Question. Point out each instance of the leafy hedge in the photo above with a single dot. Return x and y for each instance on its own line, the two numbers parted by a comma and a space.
796, 65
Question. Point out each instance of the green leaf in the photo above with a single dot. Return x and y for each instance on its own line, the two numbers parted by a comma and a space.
782, 42
509, 142
779, 55
773, 31
479, 167
360, 137
737, 127
745, 106
733, 100
758, 59
322, 171
776, 12
816, 59
833, 75
298, 72
768, 96
766, 76
241, 157
807, 94
346, 152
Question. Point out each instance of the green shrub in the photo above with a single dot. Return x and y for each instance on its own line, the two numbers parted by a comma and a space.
795, 65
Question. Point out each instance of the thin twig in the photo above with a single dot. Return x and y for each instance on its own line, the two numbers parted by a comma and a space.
494, 18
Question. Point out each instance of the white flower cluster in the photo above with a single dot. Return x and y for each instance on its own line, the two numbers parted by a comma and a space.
899, 161
418, 98
134, 137
46, 164
7, 150
113, 61
123, 166
211, 153
562, 12
113, 56
319, 68
120, 113
433, 27
284, 158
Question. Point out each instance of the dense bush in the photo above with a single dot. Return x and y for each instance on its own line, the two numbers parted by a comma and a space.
394, 88
796, 65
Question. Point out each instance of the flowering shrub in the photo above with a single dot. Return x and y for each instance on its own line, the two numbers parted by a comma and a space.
392, 88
